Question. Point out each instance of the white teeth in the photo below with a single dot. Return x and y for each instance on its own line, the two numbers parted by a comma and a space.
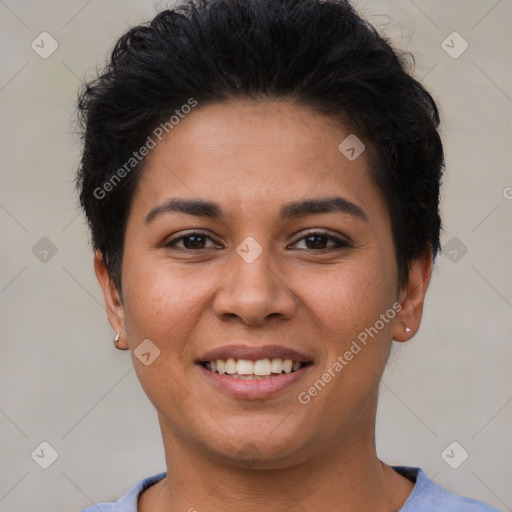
287, 365
262, 367
230, 366
247, 369
276, 365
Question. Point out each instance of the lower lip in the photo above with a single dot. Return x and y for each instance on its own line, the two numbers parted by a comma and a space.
253, 389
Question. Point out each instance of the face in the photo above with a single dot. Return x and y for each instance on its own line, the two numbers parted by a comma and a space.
252, 237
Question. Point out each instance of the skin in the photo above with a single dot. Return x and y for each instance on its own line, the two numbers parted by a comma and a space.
251, 157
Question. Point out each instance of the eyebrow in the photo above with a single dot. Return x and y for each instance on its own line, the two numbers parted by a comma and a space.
329, 205
196, 207
201, 208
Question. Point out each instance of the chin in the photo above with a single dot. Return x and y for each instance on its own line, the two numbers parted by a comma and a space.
264, 443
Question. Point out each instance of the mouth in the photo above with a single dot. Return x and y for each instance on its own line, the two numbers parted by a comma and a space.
249, 372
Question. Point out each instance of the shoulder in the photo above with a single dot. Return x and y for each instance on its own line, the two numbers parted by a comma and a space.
431, 497
127, 502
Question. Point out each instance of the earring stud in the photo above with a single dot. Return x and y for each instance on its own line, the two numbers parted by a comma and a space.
116, 339
407, 330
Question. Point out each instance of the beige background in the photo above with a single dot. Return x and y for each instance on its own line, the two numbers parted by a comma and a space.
63, 382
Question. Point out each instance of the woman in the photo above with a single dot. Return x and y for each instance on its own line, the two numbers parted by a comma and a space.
261, 179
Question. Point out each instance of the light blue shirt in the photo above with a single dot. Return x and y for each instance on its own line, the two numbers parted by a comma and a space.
426, 496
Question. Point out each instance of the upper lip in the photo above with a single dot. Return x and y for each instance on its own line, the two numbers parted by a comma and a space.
253, 353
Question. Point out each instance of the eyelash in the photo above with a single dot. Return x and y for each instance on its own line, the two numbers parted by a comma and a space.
340, 244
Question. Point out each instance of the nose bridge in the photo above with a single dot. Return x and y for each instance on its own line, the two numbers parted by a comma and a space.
253, 271
254, 290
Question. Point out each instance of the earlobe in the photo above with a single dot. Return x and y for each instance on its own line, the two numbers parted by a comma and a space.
412, 298
113, 303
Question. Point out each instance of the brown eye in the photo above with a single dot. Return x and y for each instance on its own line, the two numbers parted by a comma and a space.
320, 241
191, 241
316, 241
194, 241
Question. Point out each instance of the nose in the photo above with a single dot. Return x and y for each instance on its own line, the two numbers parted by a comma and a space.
254, 293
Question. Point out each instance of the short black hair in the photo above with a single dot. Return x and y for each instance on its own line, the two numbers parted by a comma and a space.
319, 53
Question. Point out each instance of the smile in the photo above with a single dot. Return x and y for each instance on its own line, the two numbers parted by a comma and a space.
246, 369
248, 372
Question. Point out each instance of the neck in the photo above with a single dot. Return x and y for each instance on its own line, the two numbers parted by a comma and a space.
345, 477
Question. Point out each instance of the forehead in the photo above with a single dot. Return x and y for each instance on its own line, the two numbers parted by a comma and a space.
254, 154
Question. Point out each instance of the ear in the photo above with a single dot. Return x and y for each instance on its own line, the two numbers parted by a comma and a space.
115, 308
412, 297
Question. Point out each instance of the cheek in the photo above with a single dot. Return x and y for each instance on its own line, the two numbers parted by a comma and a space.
349, 297
160, 305
165, 303
347, 304
159, 297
